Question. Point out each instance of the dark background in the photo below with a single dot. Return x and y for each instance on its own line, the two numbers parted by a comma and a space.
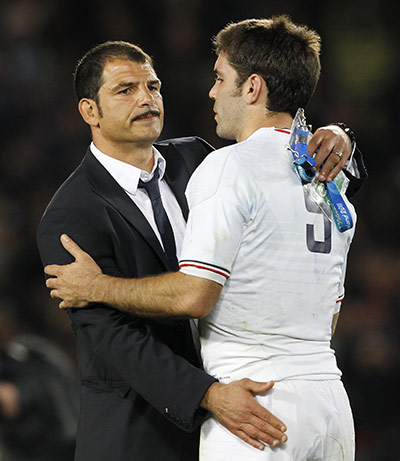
43, 139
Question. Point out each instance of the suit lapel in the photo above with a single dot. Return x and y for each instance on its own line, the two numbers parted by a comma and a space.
176, 175
110, 191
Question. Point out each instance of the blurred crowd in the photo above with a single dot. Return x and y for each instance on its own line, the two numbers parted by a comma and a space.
43, 140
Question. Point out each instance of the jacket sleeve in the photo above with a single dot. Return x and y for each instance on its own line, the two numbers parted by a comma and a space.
119, 351
356, 173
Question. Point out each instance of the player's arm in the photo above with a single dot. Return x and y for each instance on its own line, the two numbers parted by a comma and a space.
126, 345
172, 294
233, 404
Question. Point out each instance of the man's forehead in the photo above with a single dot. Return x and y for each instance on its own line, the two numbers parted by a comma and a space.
116, 69
222, 63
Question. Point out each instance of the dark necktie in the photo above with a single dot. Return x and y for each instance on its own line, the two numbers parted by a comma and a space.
164, 226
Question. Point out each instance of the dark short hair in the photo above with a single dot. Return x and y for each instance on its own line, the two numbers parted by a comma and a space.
284, 54
89, 70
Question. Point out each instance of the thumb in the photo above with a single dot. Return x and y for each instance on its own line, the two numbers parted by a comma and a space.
258, 387
72, 247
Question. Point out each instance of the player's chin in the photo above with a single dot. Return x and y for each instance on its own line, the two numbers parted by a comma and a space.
223, 133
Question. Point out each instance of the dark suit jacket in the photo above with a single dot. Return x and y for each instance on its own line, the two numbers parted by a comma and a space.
141, 381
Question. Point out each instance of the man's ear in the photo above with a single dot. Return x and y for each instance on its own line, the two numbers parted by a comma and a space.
254, 88
89, 111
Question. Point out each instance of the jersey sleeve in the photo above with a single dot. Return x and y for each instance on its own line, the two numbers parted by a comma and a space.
218, 215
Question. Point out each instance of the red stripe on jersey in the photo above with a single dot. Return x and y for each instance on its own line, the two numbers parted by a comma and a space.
205, 268
282, 131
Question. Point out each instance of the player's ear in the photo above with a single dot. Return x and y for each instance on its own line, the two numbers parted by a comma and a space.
253, 88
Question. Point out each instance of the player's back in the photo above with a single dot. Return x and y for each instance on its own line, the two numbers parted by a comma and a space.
286, 280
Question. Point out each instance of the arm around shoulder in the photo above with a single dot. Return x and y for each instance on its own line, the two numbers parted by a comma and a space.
127, 350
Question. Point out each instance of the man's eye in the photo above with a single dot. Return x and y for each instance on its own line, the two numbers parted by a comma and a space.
125, 91
218, 79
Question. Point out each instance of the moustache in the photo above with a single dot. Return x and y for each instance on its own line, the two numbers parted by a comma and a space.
156, 113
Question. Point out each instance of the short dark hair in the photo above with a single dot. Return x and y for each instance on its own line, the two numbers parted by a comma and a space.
284, 54
89, 70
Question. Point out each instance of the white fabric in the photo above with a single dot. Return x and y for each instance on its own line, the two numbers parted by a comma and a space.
352, 166
127, 176
249, 230
319, 421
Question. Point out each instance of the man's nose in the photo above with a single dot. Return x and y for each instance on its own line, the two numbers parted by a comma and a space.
211, 93
145, 95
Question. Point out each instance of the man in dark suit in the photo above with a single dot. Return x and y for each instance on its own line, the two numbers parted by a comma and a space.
142, 386
143, 393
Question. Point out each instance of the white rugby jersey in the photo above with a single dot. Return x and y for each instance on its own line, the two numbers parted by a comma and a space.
281, 262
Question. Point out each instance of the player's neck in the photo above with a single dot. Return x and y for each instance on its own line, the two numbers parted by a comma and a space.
280, 120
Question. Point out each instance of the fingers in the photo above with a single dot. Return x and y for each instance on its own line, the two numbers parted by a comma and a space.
331, 168
271, 432
246, 438
329, 172
269, 426
52, 282
322, 143
53, 269
69, 304
255, 434
266, 420
332, 148
65, 303
235, 407
72, 247
255, 438
54, 294
261, 424
251, 433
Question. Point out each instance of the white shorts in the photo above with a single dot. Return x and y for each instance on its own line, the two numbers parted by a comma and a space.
319, 426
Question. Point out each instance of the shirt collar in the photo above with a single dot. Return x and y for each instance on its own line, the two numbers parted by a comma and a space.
270, 129
126, 175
